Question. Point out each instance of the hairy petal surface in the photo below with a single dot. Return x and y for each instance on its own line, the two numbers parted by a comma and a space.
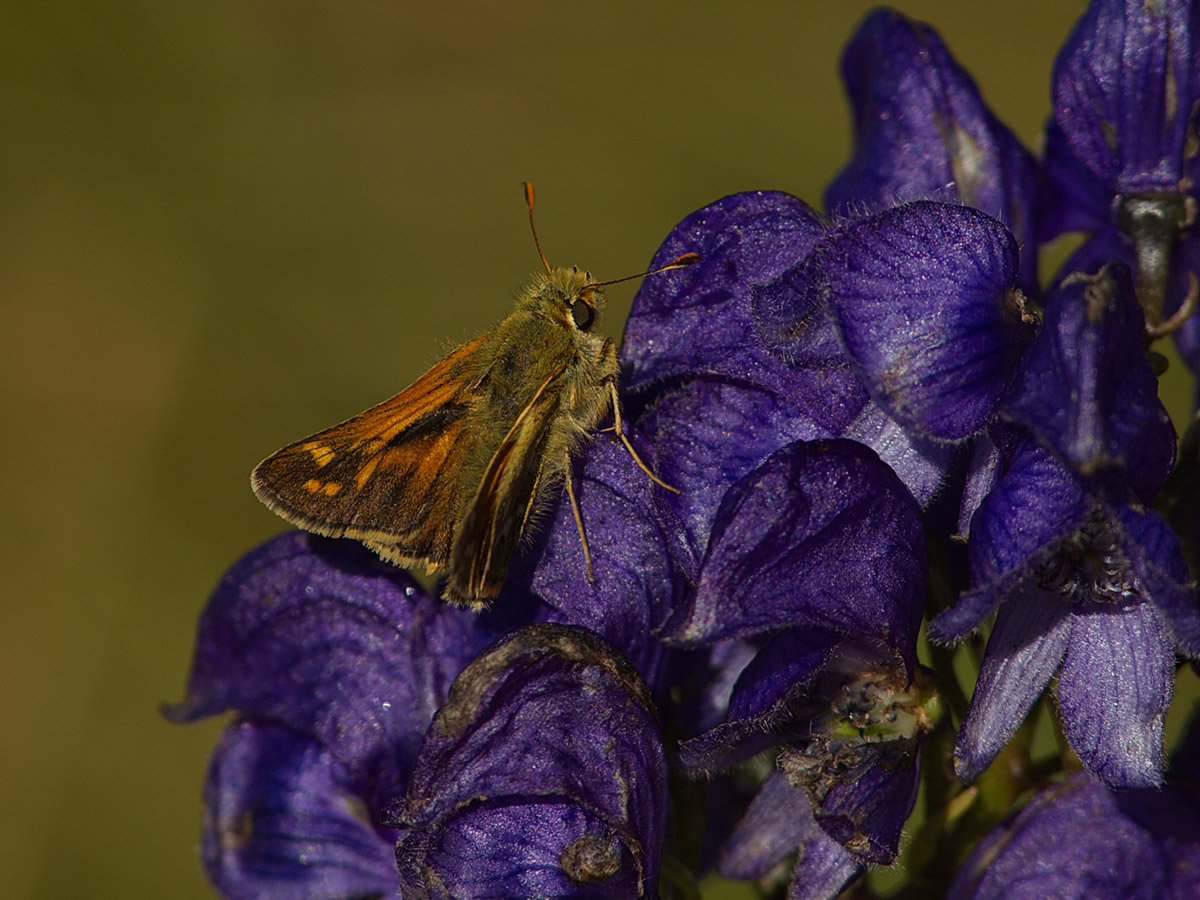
320, 636
924, 132
542, 775
822, 534
284, 821
1079, 839
924, 299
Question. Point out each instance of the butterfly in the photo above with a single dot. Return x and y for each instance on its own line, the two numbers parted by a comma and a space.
448, 473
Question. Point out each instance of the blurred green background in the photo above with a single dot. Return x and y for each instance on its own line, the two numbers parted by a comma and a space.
224, 225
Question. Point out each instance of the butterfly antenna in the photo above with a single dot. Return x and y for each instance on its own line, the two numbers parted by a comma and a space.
532, 227
679, 262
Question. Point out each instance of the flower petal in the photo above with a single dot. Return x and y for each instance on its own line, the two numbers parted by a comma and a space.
1114, 690
284, 821
780, 822
1160, 570
697, 321
543, 774
707, 436
1023, 652
1078, 839
1085, 387
822, 534
321, 636
923, 296
633, 587
924, 132
1124, 86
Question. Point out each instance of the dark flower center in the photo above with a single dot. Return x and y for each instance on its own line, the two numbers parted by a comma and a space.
1089, 565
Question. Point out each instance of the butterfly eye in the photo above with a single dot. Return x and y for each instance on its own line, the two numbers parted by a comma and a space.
583, 315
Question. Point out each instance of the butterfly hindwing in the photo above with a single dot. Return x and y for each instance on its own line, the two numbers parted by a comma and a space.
515, 476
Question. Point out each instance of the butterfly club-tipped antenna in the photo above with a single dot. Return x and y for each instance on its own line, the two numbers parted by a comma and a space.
532, 227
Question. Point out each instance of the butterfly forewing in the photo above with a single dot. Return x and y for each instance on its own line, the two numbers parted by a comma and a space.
389, 476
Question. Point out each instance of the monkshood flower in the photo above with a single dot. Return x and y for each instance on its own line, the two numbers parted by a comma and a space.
1078, 838
788, 330
821, 552
335, 664
1086, 581
1121, 153
543, 775
923, 132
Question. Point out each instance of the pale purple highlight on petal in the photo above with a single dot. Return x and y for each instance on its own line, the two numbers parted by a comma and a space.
284, 821
1024, 651
1114, 689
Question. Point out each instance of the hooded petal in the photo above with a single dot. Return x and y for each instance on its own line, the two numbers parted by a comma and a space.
822, 534
697, 321
542, 775
1085, 387
707, 436
284, 821
1124, 87
924, 132
924, 298
1078, 839
320, 636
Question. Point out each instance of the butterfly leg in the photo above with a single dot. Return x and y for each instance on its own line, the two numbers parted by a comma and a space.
616, 406
587, 554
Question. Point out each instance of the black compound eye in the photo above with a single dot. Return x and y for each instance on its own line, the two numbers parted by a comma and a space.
583, 315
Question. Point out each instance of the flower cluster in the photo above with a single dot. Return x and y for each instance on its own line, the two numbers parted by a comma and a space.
881, 425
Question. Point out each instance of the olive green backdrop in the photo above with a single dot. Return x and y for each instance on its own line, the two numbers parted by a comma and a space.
226, 224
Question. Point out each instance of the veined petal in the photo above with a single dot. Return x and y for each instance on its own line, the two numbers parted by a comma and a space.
924, 132
924, 298
322, 637
707, 435
1085, 387
822, 534
284, 821
1079, 839
633, 587
1124, 87
542, 775
1024, 651
1160, 570
697, 321
1116, 684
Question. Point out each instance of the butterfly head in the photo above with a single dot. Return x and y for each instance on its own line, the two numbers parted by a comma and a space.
568, 296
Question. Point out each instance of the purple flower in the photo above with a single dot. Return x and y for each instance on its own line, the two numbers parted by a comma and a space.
335, 663
924, 132
1121, 159
1080, 839
543, 775
822, 550
1087, 581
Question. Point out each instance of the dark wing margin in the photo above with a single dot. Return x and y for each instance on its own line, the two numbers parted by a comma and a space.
388, 477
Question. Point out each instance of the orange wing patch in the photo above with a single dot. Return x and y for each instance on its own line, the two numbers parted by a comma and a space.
388, 476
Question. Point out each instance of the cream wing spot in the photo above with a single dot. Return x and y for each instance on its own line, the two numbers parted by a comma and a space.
322, 454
